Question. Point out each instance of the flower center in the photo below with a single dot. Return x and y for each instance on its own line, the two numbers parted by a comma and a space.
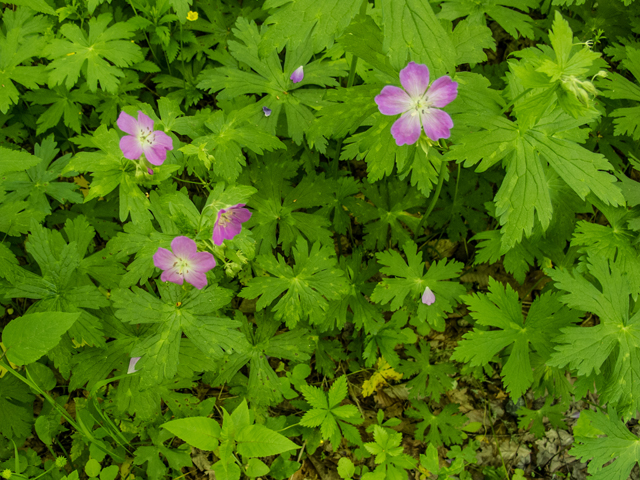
146, 135
422, 104
183, 265
225, 218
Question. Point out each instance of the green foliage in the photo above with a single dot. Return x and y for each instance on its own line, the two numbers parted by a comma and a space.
533, 419
602, 438
389, 456
327, 413
312, 279
522, 340
444, 428
430, 380
99, 49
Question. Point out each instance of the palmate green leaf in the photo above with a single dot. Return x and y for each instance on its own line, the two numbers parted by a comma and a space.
102, 45
31, 336
229, 136
601, 438
470, 40
272, 78
411, 30
515, 23
355, 305
432, 380
193, 313
19, 43
363, 38
501, 309
524, 197
16, 161
386, 338
306, 286
39, 182
7, 260
63, 286
63, 103
533, 420
277, 206
297, 21
110, 169
444, 428
611, 348
407, 282
263, 385
616, 86
326, 412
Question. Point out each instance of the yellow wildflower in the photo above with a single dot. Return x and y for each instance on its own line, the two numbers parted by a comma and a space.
191, 16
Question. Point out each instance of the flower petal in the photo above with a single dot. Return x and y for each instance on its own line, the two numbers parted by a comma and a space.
145, 121
393, 100
155, 154
442, 92
132, 365
202, 262
161, 139
183, 247
241, 214
197, 279
130, 147
128, 124
437, 124
232, 229
415, 79
428, 297
266, 111
406, 130
218, 236
297, 75
164, 259
172, 276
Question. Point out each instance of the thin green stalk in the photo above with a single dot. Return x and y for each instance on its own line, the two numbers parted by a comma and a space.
434, 199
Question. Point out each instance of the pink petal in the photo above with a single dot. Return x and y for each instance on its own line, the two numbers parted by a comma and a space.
202, 262
164, 259
217, 236
183, 247
155, 155
231, 230
393, 100
428, 297
132, 365
197, 279
144, 121
127, 123
130, 147
442, 92
172, 276
242, 214
149, 171
163, 140
406, 130
297, 75
437, 124
415, 79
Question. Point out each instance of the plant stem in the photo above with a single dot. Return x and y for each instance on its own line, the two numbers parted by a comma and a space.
434, 199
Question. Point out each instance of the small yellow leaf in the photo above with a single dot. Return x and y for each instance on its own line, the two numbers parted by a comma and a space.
3, 370
383, 373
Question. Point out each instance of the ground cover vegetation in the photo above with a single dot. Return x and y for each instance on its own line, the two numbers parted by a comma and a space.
334, 239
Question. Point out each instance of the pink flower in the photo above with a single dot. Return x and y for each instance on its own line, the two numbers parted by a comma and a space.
297, 75
418, 103
185, 263
143, 138
229, 223
428, 297
132, 365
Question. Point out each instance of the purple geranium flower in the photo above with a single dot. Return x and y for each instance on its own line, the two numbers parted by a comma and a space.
132, 365
143, 138
418, 103
229, 223
267, 111
428, 297
297, 75
185, 263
